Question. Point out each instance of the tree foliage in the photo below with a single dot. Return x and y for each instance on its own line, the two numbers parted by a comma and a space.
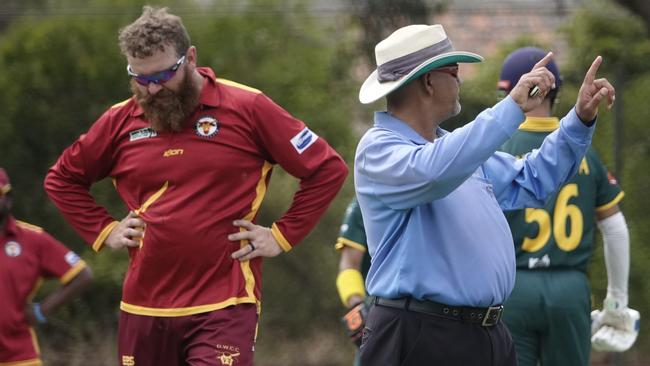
62, 69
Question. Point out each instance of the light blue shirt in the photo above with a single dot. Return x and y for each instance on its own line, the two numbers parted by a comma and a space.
433, 210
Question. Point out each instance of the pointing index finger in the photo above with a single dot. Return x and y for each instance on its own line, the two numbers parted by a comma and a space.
591, 73
543, 62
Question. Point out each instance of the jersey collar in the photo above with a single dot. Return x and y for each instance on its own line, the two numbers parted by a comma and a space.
387, 121
540, 124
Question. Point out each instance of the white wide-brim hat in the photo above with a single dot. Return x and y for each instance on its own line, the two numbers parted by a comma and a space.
408, 53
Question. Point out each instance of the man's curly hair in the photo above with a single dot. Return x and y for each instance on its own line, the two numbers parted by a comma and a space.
152, 32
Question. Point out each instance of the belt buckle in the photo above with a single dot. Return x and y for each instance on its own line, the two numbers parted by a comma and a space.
487, 320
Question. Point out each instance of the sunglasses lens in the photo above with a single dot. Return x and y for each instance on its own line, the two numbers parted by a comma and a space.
158, 78
165, 76
140, 80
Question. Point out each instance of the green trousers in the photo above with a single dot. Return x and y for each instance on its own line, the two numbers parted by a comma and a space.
548, 314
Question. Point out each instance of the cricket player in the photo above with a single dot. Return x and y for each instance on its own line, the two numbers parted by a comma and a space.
191, 156
30, 255
548, 312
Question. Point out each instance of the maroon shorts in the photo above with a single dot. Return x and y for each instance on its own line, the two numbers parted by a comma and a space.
218, 338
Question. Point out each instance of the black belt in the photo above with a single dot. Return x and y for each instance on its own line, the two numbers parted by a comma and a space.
487, 317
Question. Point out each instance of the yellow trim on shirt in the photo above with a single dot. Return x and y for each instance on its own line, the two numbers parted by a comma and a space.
173, 312
5, 189
35, 341
28, 226
32, 362
237, 85
540, 124
611, 203
37, 286
342, 242
152, 199
99, 242
116, 105
260, 192
73, 272
277, 234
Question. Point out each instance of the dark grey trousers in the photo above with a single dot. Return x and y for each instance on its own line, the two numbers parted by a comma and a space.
398, 337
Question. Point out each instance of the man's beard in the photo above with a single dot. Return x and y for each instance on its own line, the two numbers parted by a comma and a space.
167, 110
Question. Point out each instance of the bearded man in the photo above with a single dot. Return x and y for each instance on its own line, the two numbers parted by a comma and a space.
191, 157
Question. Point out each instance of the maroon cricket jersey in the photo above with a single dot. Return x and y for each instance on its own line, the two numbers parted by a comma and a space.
189, 187
28, 255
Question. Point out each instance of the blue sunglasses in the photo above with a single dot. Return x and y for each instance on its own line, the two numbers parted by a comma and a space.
160, 77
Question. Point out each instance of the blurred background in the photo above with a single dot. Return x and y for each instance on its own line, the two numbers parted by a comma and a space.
60, 68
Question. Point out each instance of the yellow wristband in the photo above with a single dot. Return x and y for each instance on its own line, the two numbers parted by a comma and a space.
350, 282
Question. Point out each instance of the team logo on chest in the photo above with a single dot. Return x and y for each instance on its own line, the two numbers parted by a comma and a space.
13, 249
207, 126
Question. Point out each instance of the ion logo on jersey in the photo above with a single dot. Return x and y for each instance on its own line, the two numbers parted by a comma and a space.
13, 249
207, 126
303, 140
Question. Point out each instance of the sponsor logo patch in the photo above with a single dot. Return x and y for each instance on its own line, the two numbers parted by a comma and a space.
303, 140
72, 258
143, 133
207, 126
543, 262
13, 249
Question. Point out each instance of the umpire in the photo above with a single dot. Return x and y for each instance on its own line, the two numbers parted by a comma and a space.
442, 253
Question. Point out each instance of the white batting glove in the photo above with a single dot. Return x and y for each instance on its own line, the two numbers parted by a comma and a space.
615, 328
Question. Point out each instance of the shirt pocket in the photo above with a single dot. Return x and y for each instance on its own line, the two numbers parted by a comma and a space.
485, 186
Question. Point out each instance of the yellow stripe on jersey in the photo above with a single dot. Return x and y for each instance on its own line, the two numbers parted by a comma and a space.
342, 242
237, 85
260, 192
611, 203
173, 312
152, 199
28, 226
37, 286
99, 242
117, 105
32, 362
35, 341
73, 272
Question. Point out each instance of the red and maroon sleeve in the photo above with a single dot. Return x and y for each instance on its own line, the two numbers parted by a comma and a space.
58, 261
307, 157
68, 182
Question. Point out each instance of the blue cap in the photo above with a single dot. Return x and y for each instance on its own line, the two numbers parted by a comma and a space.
520, 62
